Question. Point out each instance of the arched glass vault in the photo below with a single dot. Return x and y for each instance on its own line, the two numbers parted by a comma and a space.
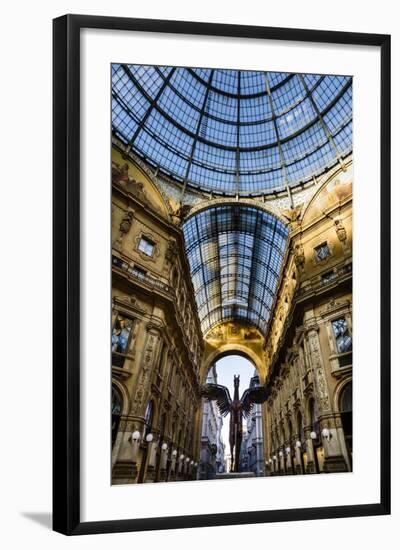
235, 254
233, 132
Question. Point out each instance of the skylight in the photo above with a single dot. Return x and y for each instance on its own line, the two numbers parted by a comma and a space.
233, 132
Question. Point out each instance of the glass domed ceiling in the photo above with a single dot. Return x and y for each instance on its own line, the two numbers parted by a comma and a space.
233, 132
235, 255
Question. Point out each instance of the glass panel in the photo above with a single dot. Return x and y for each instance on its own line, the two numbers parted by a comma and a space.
342, 334
116, 401
148, 418
146, 246
322, 252
219, 130
120, 334
235, 254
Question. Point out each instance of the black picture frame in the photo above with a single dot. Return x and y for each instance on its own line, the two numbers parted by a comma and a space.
66, 273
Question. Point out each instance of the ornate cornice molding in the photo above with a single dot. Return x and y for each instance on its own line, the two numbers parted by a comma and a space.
255, 203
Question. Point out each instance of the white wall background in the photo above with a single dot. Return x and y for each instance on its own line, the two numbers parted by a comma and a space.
26, 273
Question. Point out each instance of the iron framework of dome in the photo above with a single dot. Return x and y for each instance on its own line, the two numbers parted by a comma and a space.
235, 255
233, 132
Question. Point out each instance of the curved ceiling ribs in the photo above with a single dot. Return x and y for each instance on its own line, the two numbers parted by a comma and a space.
233, 132
235, 254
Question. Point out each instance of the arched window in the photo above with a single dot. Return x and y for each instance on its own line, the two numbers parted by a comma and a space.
300, 427
179, 440
121, 339
317, 444
116, 411
290, 428
300, 431
346, 413
163, 422
314, 415
283, 435
148, 418
346, 398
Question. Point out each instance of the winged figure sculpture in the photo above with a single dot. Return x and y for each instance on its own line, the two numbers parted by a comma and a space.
238, 408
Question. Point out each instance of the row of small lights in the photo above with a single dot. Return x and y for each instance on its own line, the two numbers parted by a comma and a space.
325, 434
164, 447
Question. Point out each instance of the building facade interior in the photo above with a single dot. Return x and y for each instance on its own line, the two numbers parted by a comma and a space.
231, 234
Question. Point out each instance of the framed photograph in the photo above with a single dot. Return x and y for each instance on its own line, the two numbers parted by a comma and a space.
221, 274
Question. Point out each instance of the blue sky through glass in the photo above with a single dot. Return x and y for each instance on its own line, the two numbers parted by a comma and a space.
245, 132
235, 255
226, 368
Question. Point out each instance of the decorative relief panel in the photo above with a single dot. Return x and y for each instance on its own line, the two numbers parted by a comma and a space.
319, 374
124, 228
143, 387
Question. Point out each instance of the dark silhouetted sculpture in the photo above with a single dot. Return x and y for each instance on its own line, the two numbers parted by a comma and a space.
237, 409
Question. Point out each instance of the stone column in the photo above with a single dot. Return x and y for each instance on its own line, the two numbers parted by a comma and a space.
149, 356
335, 451
150, 470
334, 460
180, 471
173, 466
311, 467
259, 441
282, 461
274, 465
125, 468
298, 451
320, 384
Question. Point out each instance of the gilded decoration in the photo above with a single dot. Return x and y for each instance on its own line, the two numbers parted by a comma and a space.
299, 256
291, 345
120, 176
180, 212
293, 216
124, 228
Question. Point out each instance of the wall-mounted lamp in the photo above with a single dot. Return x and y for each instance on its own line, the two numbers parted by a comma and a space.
274, 457
313, 435
173, 460
288, 450
181, 457
164, 456
152, 450
280, 453
135, 445
298, 444
326, 434
135, 436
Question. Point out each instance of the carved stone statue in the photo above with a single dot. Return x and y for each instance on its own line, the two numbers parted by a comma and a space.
126, 222
180, 213
340, 231
299, 256
124, 228
172, 250
237, 408
292, 215
120, 176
